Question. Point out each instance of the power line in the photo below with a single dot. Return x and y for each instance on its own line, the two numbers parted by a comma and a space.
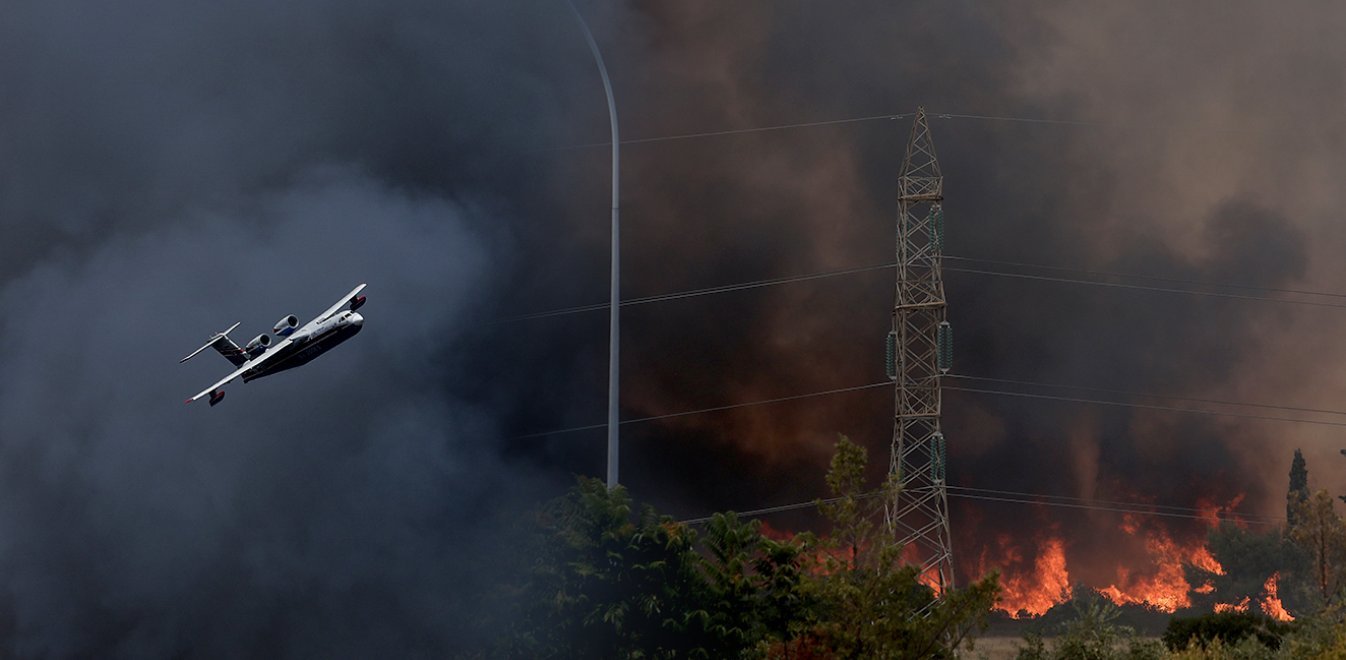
1144, 512
828, 122
739, 131
1141, 287
1012, 497
755, 513
1009, 381
1202, 513
1146, 406
1104, 273
701, 411
692, 293
1027, 395
1022, 120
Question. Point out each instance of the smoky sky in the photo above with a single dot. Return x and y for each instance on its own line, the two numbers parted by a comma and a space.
167, 169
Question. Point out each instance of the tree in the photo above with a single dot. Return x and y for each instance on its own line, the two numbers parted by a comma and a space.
1229, 628
1320, 533
1091, 632
608, 582
869, 603
1299, 487
753, 582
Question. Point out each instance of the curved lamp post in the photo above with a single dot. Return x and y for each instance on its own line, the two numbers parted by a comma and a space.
614, 334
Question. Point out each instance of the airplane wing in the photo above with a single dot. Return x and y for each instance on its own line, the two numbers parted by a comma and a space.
330, 311
274, 350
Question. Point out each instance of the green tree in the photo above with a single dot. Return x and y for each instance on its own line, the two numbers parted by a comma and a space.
1229, 628
869, 603
753, 582
609, 582
1091, 633
1321, 535
1299, 487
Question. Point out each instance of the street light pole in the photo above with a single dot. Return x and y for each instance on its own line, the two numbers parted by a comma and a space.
614, 316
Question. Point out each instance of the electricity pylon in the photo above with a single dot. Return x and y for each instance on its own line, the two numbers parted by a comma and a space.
918, 354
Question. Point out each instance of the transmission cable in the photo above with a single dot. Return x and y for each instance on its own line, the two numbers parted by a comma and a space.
701, 411
1104, 273
726, 288
1146, 406
828, 122
1011, 497
1027, 395
738, 131
1142, 287
1009, 381
692, 293
1204, 513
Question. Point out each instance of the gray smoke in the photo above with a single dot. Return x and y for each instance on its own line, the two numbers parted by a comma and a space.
169, 168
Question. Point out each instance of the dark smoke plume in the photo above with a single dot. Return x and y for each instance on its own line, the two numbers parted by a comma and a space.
168, 168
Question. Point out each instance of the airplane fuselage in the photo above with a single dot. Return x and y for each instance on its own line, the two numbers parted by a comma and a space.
303, 348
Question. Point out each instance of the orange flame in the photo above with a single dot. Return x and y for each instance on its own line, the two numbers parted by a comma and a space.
1033, 594
1165, 588
1157, 582
1204, 560
1272, 604
1209, 512
930, 579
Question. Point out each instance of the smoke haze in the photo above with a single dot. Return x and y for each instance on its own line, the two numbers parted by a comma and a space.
169, 168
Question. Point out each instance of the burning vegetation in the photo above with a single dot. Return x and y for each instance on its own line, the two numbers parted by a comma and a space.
741, 588
1277, 572
1032, 592
1170, 576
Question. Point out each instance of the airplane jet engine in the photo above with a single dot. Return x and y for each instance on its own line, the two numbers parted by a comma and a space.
258, 345
286, 326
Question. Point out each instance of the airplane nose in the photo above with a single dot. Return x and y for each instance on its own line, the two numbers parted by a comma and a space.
357, 320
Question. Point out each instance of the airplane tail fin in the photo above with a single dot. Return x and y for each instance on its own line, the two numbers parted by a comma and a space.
224, 345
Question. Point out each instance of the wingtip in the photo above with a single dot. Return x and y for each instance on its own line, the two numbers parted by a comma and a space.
187, 401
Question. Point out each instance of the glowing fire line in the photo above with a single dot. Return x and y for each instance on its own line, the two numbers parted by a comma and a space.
1159, 584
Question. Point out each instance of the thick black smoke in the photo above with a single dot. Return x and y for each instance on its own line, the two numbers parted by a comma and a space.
167, 169
170, 168
1194, 173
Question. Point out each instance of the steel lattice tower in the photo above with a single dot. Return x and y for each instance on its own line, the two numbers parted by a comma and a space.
918, 354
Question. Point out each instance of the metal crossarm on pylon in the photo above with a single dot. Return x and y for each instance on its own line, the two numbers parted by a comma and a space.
918, 514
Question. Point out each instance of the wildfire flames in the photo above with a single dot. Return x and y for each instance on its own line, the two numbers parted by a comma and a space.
1032, 593
1241, 606
1030, 588
1165, 588
1032, 585
1272, 604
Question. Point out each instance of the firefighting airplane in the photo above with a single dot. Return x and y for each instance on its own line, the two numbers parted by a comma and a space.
297, 345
